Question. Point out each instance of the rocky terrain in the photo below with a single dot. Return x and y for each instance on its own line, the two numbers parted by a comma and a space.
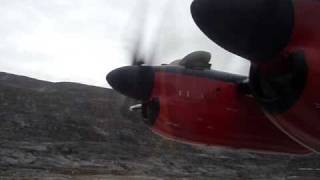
68, 131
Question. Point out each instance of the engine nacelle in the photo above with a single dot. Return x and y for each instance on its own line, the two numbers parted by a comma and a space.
288, 87
209, 108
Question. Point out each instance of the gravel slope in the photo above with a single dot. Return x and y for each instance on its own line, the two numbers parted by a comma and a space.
74, 131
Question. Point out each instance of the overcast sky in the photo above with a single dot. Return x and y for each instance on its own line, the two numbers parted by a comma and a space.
82, 40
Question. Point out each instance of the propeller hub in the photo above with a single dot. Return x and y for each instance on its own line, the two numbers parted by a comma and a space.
132, 81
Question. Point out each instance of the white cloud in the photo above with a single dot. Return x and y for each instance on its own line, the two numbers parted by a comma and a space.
81, 40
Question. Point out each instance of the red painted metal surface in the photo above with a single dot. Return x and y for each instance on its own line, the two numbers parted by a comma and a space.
206, 111
302, 121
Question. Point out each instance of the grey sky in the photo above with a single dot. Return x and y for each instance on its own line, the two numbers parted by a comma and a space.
82, 40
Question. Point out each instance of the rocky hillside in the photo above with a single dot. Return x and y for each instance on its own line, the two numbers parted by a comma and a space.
74, 131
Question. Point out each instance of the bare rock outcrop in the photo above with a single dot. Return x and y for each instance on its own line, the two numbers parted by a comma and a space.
74, 131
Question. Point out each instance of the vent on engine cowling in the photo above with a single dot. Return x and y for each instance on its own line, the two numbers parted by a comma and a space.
150, 111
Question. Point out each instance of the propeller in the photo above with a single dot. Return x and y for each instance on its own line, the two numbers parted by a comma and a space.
136, 79
139, 54
254, 29
137, 58
140, 57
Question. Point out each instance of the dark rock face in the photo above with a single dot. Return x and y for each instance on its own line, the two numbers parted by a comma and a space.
74, 131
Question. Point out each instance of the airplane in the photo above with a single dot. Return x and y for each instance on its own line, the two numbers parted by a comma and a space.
276, 109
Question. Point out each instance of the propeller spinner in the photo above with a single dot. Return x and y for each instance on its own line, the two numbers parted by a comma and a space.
133, 81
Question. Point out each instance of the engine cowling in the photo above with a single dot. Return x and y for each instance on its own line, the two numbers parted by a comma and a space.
291, 99
288, 87
281, 38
